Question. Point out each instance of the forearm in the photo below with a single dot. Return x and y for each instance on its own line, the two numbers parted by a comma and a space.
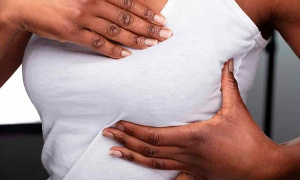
12, 45
286, 19
284, 164
292, 151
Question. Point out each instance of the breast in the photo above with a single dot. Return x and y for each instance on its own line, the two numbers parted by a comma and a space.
162, 85
178, 80
78, 92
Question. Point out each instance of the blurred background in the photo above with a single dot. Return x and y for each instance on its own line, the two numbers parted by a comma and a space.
275, 109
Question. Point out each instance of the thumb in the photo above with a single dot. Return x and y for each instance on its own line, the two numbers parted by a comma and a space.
229, 87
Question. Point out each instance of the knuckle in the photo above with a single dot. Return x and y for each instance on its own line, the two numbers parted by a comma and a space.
126, 18
157, 164
148, 14
131, 130
137, 41
206, 133
66, 29
78, 13
98, 42
149, 152
193, 139
115, 51
152, 30
74, 31
121, 138
232, 83
113, 30
195, 136
129, 156
126, 4
154, 138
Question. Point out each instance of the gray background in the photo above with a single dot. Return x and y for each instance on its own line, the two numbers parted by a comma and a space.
20, 154
286, 113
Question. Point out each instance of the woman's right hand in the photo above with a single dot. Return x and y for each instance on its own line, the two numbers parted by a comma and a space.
92, 23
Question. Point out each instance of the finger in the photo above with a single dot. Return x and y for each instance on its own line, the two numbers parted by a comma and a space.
154, 163
114, 32
140, 10
158, 136
143, 148
131, 22
100, 44
230, 90
185, 176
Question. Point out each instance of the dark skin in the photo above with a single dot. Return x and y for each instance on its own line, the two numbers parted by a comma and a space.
230, 145
96, 24
196, 145
14, 35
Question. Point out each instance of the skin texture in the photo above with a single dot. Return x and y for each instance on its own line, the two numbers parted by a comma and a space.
97, 24
11, 61
194, 149
286, 19
228, 146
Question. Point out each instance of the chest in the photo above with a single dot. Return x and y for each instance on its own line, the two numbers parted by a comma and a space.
179, 76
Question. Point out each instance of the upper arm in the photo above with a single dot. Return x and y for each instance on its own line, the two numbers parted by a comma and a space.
286, 19
282, 15
13, 55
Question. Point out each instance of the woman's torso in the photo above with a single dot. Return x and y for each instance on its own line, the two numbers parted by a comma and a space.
78, 93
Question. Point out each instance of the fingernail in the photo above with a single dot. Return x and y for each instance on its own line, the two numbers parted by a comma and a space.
151, 42
231, 65
107, 134
120, 127
115, 153
159, 19
165, 33
125, 53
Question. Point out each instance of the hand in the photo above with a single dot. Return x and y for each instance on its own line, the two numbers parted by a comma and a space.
228, 146
90, 23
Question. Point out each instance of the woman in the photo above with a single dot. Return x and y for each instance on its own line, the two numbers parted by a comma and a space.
78, 93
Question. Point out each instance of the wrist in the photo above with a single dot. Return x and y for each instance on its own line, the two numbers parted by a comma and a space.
284, 164
4, 13
13, 14
273, 165
292, 151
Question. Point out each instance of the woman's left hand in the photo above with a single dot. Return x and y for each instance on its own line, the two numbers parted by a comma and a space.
228, 146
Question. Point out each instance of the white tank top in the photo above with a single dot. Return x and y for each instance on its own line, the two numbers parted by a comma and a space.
79, 93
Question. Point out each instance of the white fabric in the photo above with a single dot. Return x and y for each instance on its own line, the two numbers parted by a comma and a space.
78, 93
